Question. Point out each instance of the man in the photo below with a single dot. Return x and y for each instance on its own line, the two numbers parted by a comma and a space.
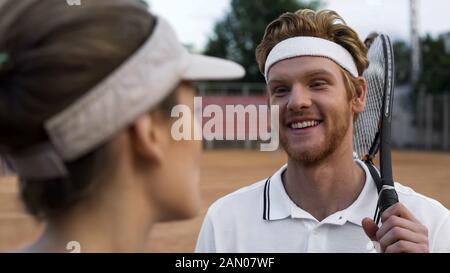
322, 199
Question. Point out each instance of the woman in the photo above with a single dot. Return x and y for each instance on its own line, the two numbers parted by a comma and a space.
86, 94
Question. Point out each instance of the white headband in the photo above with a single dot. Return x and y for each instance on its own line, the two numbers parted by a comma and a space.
310, 46
136, 86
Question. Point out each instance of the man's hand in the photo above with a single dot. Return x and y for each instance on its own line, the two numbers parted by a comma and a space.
400, 231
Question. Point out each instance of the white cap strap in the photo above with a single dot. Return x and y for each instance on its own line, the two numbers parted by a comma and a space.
310, 46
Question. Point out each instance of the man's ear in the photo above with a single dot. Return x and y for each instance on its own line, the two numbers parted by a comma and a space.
146, 138
359, 100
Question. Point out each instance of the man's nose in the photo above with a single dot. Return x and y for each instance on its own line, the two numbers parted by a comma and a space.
299, 98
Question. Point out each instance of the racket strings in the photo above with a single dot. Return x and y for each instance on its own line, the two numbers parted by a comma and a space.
368, 123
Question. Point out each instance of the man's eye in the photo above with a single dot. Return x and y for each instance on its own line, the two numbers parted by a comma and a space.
280, 90
318, 84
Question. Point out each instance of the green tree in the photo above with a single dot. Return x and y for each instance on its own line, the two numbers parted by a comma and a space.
435, 75
402, 62
241, 30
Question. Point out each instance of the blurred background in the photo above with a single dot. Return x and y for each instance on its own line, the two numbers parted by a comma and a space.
232, 29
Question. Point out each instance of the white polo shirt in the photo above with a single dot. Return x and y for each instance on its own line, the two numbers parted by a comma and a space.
262, 218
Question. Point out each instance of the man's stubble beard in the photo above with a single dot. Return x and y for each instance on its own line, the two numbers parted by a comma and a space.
332, 141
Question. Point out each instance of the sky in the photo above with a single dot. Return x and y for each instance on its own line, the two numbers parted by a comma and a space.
194, 20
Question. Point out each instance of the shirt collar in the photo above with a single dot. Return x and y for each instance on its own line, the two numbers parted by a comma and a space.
278, 205
366, 203
276, 200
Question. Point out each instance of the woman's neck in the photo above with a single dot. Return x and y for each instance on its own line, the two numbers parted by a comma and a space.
119, 220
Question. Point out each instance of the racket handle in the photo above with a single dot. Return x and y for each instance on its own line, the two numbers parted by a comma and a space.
388, 197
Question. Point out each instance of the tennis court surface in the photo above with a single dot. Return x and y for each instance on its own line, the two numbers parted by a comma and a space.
223, 172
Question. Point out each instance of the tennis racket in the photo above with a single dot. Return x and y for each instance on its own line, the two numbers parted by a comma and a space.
373, 127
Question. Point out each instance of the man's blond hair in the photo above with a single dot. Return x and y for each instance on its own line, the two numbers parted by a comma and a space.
325, 24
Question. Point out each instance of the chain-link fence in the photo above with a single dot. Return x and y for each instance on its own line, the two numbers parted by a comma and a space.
433, 121
233, 94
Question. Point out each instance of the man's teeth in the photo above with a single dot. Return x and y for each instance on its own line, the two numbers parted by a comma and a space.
304, 124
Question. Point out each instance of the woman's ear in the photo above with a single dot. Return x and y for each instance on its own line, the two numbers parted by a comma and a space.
146, 138
359, 100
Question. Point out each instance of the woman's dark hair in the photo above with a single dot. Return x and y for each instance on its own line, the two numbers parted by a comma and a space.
56, 53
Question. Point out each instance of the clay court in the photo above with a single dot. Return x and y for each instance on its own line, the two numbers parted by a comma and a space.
222, 173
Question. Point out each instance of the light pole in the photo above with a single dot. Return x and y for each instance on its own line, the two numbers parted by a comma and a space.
415, 41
